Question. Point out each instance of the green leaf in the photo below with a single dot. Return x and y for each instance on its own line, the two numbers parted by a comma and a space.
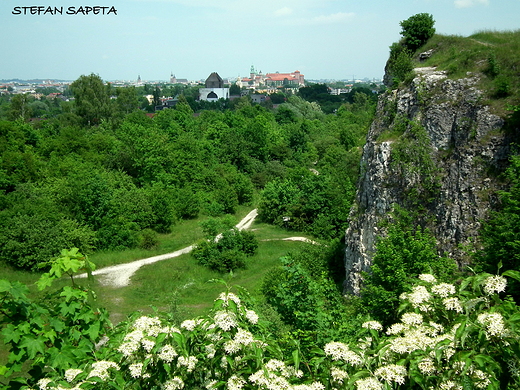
61, 358
4, 285
11, 333
512, 274
33, 346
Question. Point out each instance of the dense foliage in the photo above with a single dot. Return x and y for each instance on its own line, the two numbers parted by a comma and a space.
98, 174
417, 29
449, 336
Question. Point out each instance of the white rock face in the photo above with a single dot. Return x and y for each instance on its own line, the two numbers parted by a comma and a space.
467, 143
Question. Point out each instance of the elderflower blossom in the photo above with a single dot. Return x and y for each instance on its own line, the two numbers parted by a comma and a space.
412, 319
231, 347
189, 325
396, 329
251, 316
244, 337
443, 290
226, 297
149, 325
268, 380
450, 385
369, 383
136, 370
428, 278
72, 373
188, 362
147, 344
481, 379
235, 383
372, 325
452, 303
392, 373
427, 366
225, 320
341, 351
211, 384
173, 384
418, 298
44, 383
167, 353
494, 324
495, 284
100, 369
338, 375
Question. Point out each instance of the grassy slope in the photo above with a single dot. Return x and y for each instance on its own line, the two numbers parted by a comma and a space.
460, 55
178, 285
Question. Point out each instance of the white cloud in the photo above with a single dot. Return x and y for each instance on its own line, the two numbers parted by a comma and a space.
283, 11
469, 3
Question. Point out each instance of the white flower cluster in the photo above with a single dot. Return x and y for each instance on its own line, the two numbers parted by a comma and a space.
419, 298
100, 369
275, 376
452, 303
372, 325
428, 278
225, 320
235, 383
392, 373
341, 351
242, 338
251, 316
188, 362
167, 353
71, 374
226, 297
150, 326
450, 385
338, 375
495, 284
136, 370
494, 323
369, 383
44, 383
412, 319
443, 290
173, 384
427, 366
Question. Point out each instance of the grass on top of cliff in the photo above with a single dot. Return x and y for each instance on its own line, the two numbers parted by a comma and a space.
493, 54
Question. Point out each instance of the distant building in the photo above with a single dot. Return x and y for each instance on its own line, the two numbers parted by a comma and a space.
175, 80
214, 89
258, 80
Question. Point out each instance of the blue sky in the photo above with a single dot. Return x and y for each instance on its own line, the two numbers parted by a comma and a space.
324, 39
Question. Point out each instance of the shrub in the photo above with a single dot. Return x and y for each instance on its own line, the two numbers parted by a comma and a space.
417, 29
227, 252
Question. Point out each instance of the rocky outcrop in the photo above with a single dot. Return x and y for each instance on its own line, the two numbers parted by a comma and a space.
465, 147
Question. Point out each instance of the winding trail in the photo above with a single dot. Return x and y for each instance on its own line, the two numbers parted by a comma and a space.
119, 275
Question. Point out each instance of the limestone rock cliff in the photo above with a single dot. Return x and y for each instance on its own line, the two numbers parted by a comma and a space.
450, 176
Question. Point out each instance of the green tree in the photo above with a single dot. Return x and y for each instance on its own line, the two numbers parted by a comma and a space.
501, 233
417, 29
405, 252
92, 99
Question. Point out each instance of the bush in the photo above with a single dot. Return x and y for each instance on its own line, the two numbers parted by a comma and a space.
417, 29
227, 252
148, 239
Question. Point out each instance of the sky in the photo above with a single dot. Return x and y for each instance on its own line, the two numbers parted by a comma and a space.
323, 39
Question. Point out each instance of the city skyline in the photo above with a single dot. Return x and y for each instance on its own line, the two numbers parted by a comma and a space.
323, 39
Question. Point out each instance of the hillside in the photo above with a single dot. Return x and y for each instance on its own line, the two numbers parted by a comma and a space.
438, 145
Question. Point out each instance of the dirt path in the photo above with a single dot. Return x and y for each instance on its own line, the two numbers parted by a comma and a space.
119, 275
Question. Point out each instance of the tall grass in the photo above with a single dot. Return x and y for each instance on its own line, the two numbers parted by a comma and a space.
493, 55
